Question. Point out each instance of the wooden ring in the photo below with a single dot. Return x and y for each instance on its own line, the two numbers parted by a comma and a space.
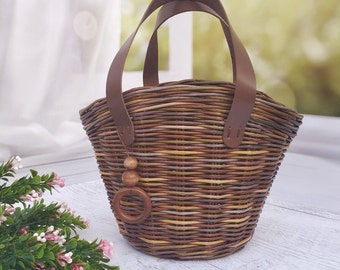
126, 217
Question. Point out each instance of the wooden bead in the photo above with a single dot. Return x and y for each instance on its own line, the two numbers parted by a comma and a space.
130, 178
130, 163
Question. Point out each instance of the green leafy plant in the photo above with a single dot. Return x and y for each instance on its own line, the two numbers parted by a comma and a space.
35, 235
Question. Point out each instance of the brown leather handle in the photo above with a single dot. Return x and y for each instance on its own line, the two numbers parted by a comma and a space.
244, 77
150, 70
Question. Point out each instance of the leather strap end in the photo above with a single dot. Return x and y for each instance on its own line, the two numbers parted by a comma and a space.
122, 121
233, 136
126, 134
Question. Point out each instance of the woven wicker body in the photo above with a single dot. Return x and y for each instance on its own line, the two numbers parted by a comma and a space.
206, 198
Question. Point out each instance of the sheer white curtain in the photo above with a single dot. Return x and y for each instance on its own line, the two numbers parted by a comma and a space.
54, 57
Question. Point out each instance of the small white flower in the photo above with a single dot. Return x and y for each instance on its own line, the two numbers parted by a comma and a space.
61, 240
40, 237
50, 229
2, 219
67, 257
16, 163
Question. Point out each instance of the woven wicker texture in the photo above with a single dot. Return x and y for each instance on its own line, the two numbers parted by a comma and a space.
206, 198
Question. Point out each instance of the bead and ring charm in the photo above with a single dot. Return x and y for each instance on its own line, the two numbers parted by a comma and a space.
130, 178
135, 191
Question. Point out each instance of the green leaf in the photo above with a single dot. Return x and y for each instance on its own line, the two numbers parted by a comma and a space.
21, 265
34, 173
49, 255
72, 244
24, 237
2, 246
36, 180
40, 253
26, 256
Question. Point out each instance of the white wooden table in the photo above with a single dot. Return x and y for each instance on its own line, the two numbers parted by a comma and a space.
299, 227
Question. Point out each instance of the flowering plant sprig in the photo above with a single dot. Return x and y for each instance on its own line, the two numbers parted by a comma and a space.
35, 235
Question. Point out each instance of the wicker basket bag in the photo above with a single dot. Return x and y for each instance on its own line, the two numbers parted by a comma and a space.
187, 165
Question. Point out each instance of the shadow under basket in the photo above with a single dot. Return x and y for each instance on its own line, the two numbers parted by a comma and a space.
204, 197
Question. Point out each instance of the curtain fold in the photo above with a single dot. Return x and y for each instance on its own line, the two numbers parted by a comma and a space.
54, 57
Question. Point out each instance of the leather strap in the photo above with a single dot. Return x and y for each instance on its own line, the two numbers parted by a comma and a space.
244, 78
150, 71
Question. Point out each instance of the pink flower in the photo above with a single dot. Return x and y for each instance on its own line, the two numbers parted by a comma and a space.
23, 230
39, 266
86, 222
52, 237
57, 181
64, 258
106, 247
64, 208
77, 266
2, 219
9, 210
32, 196
50, 229
26, 198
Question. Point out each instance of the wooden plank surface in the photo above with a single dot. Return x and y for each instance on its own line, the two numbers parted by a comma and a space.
299, 227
